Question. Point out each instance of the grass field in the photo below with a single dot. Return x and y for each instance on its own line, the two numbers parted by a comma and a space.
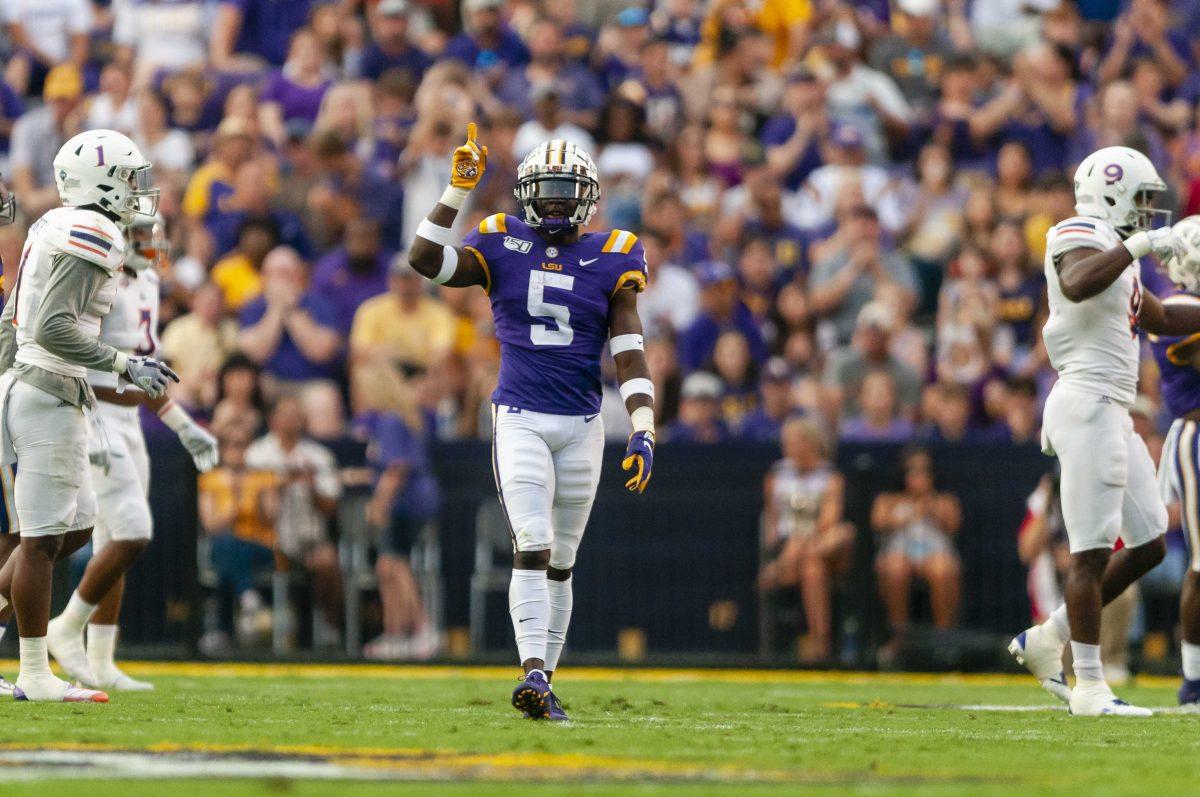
271, 730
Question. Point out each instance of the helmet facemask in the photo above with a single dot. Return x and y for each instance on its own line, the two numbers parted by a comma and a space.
557, 202
8, 206
142, 198
1147, 213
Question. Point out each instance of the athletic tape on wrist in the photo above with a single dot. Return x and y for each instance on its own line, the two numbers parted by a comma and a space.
1138, 245
635, 386
642, 419
454, 197
449, 266
435, 233
175, 417
621, 343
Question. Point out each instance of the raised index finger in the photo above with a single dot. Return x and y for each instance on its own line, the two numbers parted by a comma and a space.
471, 132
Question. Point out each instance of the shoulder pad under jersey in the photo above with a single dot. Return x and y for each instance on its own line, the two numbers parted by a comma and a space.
87, 235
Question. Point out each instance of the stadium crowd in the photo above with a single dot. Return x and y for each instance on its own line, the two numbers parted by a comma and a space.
843, 204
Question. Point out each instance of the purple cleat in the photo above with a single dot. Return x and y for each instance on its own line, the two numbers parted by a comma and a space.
556, 711
1189, 694
532, 696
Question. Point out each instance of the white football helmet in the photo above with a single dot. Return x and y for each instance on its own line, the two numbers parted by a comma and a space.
106, 169
558, 170
8, 205
1184, 270
147, 242
1118, 184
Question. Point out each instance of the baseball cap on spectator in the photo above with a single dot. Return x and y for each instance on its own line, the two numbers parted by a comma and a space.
392, 8
918, 8
64, 82
801, 74
633, 17
777, 371
846, 136
712, 272
701, 385
876, 315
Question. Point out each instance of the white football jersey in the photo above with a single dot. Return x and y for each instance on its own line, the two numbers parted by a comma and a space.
85, 234
1093, 344
132, 324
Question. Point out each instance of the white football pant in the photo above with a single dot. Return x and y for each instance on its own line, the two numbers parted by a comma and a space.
123, 509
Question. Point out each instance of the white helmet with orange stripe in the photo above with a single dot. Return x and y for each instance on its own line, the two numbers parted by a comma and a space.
558, 186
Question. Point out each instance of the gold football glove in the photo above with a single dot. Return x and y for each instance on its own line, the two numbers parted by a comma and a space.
469, 162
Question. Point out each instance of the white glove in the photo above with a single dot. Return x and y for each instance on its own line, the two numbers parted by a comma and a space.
1163, 242
203, 447
150, 375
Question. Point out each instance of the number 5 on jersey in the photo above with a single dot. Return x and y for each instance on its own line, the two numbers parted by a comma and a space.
540, 334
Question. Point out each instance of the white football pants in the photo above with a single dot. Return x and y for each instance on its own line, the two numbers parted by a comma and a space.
123, 508
547, 468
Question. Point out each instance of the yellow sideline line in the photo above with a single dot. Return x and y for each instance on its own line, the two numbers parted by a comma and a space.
604, 674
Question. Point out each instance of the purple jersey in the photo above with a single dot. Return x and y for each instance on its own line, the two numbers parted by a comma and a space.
550, 308
1180, 381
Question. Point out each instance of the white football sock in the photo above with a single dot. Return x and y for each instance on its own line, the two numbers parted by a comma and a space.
1191, 661
35, 661
1058, 622
562, 599
101, 647
77, 613
1087, 662
529, 607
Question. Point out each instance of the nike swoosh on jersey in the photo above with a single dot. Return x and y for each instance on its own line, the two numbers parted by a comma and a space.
589, 418
587, 262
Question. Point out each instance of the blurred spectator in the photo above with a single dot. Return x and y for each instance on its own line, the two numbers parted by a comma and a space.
390, 46
732, 363
43, 35
307, 480
860, 97
293, 92
232, 146
699, 419
914, 55
250, 195
153, 35
917, 527
806, 537
403, 502
290, 330
870, 350
348, 189
486, 41
248, 32
239, 274
169, 149
579, 92
878, 419
39, 134
238, 406
113, 107
547, 122
793, 138
238, 508
720, 309
402, 326
196, 345
764, 423
845, 278
1146, 30
354, 272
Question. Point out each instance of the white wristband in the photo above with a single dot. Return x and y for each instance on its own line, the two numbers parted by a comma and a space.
175, 417
622, 343
1138, 245
635, 386
449, 266
454, 197
120, 363
642, 419
434, 232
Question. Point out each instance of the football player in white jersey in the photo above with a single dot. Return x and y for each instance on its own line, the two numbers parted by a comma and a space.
1109, 489
64, 287
9, 537
121, 472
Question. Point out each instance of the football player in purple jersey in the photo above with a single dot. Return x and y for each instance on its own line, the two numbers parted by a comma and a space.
1178, 358
557, 295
